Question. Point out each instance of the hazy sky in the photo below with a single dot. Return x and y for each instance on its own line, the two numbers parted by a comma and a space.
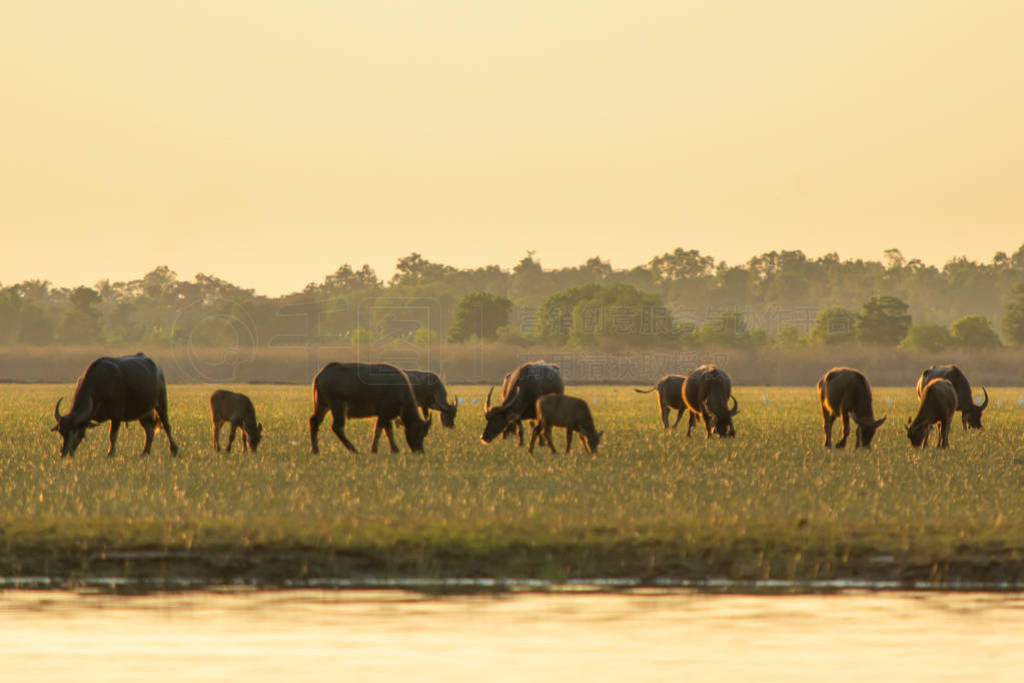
268, 142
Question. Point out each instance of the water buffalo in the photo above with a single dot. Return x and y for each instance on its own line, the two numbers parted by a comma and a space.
520, 392
120, 390
970, 412
559, 410
938, 403
844, 392
431, 395
670, 397
366, 390
238, 411
707, 391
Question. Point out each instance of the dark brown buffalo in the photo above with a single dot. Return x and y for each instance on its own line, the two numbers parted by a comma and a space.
520, 392
120, 390
431, 395
238, 411
707, 391
670, 397
970, 412
938, 403
845, 392
366, 390
559, 410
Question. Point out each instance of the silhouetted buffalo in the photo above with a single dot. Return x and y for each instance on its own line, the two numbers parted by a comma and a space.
938, 403
520, 392
558, 410
238, 411
431, 395
707, 391
845, 392
121, 389
366, 390
670, 397
970, 412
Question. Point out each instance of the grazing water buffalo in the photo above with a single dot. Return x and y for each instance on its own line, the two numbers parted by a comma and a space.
520, 392
707, 391
366, 390
670, 397
431, 395
558, 410
238, 411
938, 403
120, 390
970, 412
844, 392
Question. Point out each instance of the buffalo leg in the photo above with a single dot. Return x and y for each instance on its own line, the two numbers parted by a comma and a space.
338, 414
846, 431
827, 418
664, 410
707, 423
679, 416
245, 441
161, 412
149, 426
536, 435
426, 413
547, 437
568, 439
115, 426
391, 435
319, 411
231, 435
693, 421
519, 430
217, 424
944, 434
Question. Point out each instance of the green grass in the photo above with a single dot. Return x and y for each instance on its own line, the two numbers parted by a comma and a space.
771, 503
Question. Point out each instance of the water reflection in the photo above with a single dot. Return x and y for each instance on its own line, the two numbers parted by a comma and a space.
386, 634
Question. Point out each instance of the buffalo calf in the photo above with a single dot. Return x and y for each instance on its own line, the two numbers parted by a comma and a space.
938, 403
238, 411
559, 410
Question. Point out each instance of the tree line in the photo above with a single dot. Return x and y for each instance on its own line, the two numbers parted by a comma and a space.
681, 298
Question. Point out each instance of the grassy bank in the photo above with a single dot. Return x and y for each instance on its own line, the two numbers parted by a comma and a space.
769, 504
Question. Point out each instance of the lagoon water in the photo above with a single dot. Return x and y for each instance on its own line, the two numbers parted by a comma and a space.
589, 636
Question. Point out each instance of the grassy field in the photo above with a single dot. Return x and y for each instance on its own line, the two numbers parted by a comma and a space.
771, 503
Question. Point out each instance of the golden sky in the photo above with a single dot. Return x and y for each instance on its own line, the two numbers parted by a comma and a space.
268, 142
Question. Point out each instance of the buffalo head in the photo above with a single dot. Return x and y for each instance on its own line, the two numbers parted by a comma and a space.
72, 426
498, 419
448, 413
416, 432
866, 430
972, 412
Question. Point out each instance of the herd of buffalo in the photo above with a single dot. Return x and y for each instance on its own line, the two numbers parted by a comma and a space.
134, 388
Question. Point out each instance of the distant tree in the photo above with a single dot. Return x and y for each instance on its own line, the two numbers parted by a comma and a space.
35, 327
479, 314
975, 332
790, 337
83, 323
835, 325
725, 328
883, 320
929, 337
1013, 316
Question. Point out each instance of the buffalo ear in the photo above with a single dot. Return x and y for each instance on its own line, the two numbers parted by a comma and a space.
55, 428
259, 427
878, 423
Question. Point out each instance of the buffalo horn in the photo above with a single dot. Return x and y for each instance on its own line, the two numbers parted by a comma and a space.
487, 404
56, 410
735, 405
985, 402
